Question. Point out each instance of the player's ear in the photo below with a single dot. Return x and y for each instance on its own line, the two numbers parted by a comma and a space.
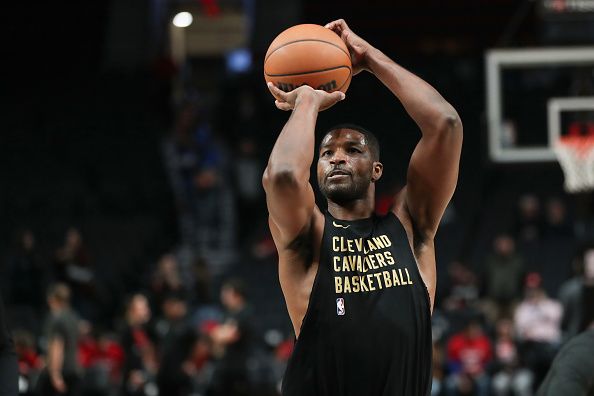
378, 169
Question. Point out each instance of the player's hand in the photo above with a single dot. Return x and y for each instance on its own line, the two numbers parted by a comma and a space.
358, 47
322, 99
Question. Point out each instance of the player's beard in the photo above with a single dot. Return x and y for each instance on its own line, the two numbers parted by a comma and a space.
341, 193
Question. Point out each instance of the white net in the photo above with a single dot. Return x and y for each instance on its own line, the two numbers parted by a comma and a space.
576, 156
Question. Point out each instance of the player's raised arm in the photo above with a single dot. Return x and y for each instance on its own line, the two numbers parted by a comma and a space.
433, 168
289, 195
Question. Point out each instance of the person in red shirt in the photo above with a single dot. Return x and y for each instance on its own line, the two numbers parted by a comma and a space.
468, 354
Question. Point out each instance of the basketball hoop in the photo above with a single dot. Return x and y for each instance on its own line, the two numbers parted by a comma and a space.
575, 153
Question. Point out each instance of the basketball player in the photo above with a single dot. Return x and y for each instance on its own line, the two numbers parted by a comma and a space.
359, 288
9, 375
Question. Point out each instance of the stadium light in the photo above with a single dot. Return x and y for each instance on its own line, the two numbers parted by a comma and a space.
183, 19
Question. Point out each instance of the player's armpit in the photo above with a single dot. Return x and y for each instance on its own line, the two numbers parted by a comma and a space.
433, 174
290, 202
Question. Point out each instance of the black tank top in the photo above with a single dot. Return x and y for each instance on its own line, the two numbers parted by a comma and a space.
367, 330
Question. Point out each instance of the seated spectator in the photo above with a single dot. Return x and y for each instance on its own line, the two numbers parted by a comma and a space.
102, 358
30, 362
529, 221
529, 229
166, 279
198, 365
201, 281
468, 355
177, 341
557, 224
233, 342
463, 290
538, 327
73, 266
502, 278
509, 377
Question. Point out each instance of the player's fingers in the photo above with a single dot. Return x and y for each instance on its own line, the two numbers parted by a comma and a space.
336, 22
277, 92
337, 95
341, 24
335, 26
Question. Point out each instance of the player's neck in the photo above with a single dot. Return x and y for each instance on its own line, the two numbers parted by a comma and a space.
354, 210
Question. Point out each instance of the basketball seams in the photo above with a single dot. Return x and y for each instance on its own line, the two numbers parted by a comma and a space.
309, 72
303, 40
307, 59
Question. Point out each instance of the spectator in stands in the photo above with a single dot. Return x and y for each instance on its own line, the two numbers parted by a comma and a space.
181, 160
25, 281
198, 173
62, 373
528, 219
166, 279
509, 377
529, 225
140, 363
557, 224
30, 362
201, 282
469, 353
176, 341
502, 277
538, 327
214, 204
102, 359
233, 342
73, 266
199, 364
463, 288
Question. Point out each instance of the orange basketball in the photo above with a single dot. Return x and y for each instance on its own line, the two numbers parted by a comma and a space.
308, 54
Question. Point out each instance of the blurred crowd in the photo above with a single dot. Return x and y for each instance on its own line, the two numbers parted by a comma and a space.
170, 337
182, 324
498, 327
